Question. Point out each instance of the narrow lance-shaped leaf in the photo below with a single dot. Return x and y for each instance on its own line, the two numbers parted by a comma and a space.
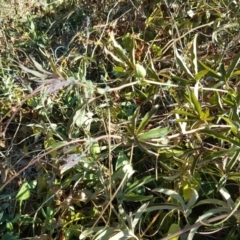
33, 72
220, 154
233, 160
194, 54
115, 58
213, 73
138, 214
194, 102
220, 136
201, 74
134, 119
233, 66
172, 194
39, 67
146, 118
182, 64
120, 52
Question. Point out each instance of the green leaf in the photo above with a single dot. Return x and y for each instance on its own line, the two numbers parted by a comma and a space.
221, 153
172, 194
24, 193
37, 74
124, 235
193, 199
219, 136
154, 133
182, 64
205, 216
104, 233
212, 201
213, 73
183, 81
120, 52
136, 198
194, 102
173, 228
39, 67
9, 236
201, 74
129, 44
134, 120
137, 184
138, 214
233, 66
140, 71
194, 54
232, 161
146, 119
121, 160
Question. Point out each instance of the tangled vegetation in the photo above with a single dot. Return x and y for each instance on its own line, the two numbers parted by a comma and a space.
119, 119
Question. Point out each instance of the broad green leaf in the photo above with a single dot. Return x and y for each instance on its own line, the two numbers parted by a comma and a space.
140, 71
48, 143
154, 133
121, 160
24, 193
146, 119
187, 191
9, 236
172, 194
173, 228
95, 149
193, 199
